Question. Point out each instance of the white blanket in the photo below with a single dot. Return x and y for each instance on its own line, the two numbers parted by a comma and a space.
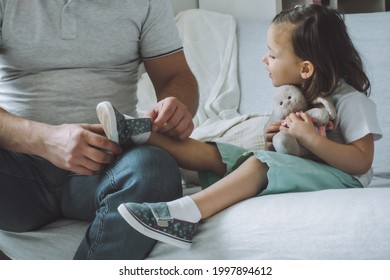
210, 46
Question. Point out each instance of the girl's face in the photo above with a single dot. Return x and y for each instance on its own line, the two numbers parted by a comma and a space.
283, 65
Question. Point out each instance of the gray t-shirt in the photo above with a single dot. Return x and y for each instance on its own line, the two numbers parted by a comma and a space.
59, 58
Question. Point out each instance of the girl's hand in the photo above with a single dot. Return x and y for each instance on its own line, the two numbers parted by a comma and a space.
301, 127
270, 130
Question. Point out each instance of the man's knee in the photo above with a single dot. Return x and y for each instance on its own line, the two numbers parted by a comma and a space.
153, 158
155, 168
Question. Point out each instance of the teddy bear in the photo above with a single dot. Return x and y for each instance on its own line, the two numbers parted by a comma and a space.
290, 99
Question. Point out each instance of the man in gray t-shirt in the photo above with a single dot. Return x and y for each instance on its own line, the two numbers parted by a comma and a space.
58, 60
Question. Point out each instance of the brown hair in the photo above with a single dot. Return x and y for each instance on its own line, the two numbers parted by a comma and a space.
320, 36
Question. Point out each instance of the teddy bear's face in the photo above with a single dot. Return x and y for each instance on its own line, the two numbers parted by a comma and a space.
289, 99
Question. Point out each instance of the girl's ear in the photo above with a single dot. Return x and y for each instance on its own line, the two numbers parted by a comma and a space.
307, 69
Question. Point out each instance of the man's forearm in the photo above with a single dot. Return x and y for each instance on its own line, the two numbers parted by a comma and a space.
20, 135
172, 77
184, 87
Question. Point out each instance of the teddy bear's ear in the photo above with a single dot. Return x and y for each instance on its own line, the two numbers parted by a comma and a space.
328, 104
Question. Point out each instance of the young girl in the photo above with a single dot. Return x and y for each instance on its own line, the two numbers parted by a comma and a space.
309, 47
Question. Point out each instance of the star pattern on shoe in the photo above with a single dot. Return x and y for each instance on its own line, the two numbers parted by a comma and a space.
115, 123
155, 221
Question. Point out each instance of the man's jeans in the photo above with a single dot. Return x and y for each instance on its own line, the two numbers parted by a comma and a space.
33, 193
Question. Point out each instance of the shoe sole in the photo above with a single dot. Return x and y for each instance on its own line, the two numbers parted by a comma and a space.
106, 115
148, 231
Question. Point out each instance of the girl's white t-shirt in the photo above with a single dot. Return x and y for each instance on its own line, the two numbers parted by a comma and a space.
356, 118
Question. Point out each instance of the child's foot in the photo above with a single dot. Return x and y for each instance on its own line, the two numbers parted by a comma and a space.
154, 220
122, 130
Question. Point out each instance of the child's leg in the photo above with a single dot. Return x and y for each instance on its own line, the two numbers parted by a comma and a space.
190, 154
244, 182
175, 222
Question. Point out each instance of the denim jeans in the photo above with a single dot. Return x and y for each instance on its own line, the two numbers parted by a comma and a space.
33, 193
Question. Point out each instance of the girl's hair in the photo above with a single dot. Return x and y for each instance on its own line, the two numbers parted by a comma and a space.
320, 36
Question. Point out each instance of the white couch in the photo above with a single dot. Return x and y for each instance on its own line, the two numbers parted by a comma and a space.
329, 224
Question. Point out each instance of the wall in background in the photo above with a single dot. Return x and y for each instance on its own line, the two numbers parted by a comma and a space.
248, 9
180, 5
360, 6
266, 9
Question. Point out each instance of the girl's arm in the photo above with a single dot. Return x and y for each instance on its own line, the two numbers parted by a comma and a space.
354, 158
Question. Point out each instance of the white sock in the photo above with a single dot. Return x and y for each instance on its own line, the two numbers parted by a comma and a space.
140, 138
184, 209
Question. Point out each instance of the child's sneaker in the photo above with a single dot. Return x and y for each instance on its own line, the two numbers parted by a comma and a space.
119, 128
155, 221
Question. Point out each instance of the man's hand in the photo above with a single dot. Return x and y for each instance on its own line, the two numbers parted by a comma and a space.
177, 92
269, 132
79, 148
172, 118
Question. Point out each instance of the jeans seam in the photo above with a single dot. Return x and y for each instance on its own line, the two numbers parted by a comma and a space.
99, 233
105, 201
